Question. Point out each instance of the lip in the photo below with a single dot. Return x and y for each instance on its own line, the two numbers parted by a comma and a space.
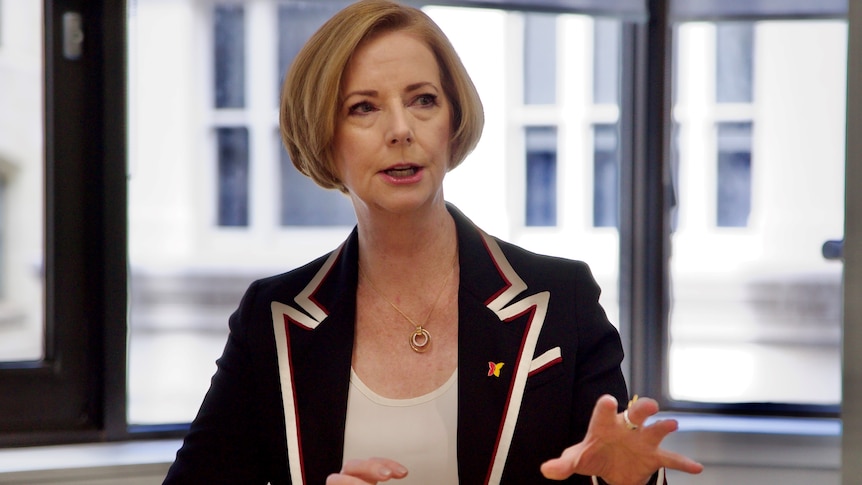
402, 173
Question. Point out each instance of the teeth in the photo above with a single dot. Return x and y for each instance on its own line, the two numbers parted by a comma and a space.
401, 172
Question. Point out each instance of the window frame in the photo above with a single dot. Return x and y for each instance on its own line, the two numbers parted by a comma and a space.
647, 194
76, 393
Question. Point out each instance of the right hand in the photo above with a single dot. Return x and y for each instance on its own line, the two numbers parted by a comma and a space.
367, 472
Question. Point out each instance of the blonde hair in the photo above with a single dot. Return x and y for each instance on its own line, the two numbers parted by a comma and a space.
311, 92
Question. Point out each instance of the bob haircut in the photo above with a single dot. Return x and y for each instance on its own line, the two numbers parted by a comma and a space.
311, 94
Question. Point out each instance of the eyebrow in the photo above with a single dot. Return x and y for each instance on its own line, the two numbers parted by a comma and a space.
372, 92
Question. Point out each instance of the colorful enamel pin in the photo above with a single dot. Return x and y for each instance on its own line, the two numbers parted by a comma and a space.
494, 369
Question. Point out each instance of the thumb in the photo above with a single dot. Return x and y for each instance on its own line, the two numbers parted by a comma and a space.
564, 466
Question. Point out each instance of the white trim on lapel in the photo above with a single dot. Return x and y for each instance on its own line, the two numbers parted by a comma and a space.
285, 374
502, 305
546, 359
303, 298
280, 315
515, 284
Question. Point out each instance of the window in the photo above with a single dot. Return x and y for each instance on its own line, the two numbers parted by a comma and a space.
733, 175
229, 56
233, 176
301, 205
605, 176
755, 315
541, 176
757, 154
540, 58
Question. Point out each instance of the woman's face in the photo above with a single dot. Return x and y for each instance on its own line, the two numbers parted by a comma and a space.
393, 128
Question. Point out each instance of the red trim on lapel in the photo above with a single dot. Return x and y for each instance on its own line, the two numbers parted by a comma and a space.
507, 284
545, 366
287, 321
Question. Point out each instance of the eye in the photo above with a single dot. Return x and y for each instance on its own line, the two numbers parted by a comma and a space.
361, 108
426, 100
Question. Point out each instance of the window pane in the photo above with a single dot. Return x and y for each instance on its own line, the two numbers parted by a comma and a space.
733, 181
605, 176
229, 45
21, 181
232, 176
756, 307
304, 203
606, 61
296, 22
734, 70
541, 143
540, 58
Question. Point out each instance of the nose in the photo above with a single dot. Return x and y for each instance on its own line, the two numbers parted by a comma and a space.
400, 130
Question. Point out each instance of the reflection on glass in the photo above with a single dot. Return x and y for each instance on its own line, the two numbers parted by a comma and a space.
756, 308
541, 181
21, 182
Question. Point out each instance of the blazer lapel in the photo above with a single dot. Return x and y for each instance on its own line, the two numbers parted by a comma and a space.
499, 324
314, 338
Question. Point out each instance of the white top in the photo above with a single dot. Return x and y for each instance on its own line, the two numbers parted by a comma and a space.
420, 433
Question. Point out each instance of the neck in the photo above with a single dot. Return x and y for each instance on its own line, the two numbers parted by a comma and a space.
426, 243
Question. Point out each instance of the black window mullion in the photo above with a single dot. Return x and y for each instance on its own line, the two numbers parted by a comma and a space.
112, 233
644, 191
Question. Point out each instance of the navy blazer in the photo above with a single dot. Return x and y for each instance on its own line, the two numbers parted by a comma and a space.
275, 411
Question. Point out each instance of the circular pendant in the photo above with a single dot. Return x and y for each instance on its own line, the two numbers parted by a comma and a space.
420, 339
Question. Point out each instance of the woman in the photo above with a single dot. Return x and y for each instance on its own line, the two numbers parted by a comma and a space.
422, 349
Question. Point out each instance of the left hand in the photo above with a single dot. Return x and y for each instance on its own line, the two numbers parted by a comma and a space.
617, 454
367, 472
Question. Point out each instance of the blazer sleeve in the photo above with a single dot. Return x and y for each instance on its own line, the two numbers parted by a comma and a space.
600, 356
224, 443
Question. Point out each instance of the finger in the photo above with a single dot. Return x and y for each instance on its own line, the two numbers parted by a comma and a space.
641, 409
374, 469
339, 479
676, 461
605, 410
562, 467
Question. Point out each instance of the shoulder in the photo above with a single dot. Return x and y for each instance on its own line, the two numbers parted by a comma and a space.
553, 271
257, 300
526, 263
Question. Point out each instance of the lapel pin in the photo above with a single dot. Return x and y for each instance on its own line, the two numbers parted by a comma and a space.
494, 369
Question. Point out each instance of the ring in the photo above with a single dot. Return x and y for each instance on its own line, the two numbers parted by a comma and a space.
628, 422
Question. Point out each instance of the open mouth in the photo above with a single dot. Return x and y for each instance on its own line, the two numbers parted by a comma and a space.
401, 172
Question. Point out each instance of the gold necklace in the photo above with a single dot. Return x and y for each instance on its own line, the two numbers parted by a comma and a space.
420, 339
